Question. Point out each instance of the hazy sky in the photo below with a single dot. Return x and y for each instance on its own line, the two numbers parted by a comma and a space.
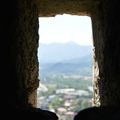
65, 28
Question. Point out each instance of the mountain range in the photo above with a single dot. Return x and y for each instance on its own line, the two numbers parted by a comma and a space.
61, 52
65, 58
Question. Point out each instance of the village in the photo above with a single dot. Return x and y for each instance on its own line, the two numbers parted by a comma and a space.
66, 103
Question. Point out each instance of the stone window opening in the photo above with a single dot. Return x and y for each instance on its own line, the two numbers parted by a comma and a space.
19, 30
39, 99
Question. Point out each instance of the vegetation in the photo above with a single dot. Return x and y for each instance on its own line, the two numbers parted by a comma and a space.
66, 79
58, 82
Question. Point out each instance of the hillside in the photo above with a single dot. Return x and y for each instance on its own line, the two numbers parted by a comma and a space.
65, 75
58, 52
69, 58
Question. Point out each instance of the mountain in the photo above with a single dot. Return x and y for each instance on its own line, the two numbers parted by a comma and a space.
65, 58
81, 66
58, 52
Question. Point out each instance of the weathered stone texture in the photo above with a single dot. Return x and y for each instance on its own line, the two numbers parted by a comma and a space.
19, 33
106, 29
21, 52
26, 46
77, 7
98, 55
110, 93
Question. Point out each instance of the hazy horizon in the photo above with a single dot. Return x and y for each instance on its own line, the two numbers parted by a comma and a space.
68, 42
65, 28
65, 64
60, 52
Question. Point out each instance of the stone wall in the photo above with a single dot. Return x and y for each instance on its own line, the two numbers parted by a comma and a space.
106, 29
77, 7
110, 90
98, 52
19, 36
20, 42
27, 63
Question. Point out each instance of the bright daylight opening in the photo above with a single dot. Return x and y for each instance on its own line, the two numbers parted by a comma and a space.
65, 64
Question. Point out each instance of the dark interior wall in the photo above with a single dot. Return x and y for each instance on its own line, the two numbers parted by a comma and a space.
19, 33
77, 7
98, 56
106, 28
105, 18
111, 84
19, 65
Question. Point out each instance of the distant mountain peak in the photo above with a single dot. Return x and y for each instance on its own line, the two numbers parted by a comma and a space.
60, 43
57, 52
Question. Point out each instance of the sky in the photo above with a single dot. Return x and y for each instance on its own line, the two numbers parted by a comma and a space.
65, 28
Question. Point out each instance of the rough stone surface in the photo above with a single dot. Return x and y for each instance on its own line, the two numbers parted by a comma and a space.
110, 86
27, 44
99, 113
53, 7
21, 43
106, 29
19, 33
